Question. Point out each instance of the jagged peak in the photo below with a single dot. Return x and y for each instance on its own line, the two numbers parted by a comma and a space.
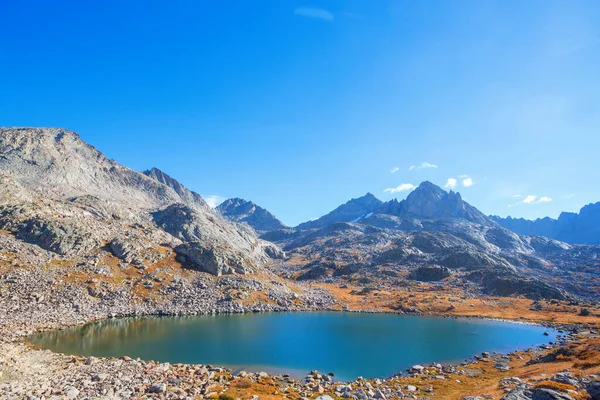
429, 188
368, 198
235, 200
240, 210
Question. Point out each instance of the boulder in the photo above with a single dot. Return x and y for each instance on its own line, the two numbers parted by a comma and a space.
216, 260
536, 394
593, 389
429, 274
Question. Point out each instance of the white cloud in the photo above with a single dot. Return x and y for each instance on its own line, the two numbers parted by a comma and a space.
451, 183
463, 176
422, 166
468, 182
529, 199
568, 196
394, 170
316, 13
401, 188
213, 200
532, 199
516, 196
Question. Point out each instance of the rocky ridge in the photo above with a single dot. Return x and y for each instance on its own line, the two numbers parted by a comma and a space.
240, 210
68, 198
574, 228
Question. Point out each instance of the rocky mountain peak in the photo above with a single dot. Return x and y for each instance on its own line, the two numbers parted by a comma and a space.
429, 201
424, 199
368, 198
188, 196
240, 210
348, 212
236, 202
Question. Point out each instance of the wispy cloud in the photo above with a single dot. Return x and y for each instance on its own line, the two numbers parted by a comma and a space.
468, 182
516, 196
568, 196
394, 170
422, 166
400, 188
316, 13
531, 199
451, 183
213, 200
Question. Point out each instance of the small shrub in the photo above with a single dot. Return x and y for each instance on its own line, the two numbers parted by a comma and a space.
241, 384
225, 396
584, 312
560, 387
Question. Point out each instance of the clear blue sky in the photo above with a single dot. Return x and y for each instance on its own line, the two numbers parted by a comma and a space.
301, 106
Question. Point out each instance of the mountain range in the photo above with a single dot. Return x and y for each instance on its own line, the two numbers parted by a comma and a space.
64, 201
435, 234
581, 228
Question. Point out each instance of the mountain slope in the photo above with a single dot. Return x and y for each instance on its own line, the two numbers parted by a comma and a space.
56, 163
433, 228
240, 210
574, 228
350, 211
188, 197
69, 198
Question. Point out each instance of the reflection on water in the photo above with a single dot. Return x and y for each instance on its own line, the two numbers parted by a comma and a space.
346, 343
104, 337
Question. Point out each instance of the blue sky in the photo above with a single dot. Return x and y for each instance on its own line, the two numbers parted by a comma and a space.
300, 106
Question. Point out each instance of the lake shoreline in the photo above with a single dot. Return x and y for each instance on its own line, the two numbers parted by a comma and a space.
56, 373
214, 373
223, 327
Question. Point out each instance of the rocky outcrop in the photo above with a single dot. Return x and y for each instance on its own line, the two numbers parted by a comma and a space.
536, 394
593, 389
129, 249
215, 260
318, 269
429, 273
64, 236
212, 243
239, 210
501, 282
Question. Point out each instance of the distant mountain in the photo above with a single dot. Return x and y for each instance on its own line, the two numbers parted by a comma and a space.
434, 230
351, 211
240, 210
426, 202
429, 201
574, 228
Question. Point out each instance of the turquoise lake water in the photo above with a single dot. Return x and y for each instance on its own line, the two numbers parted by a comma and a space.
348, 344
